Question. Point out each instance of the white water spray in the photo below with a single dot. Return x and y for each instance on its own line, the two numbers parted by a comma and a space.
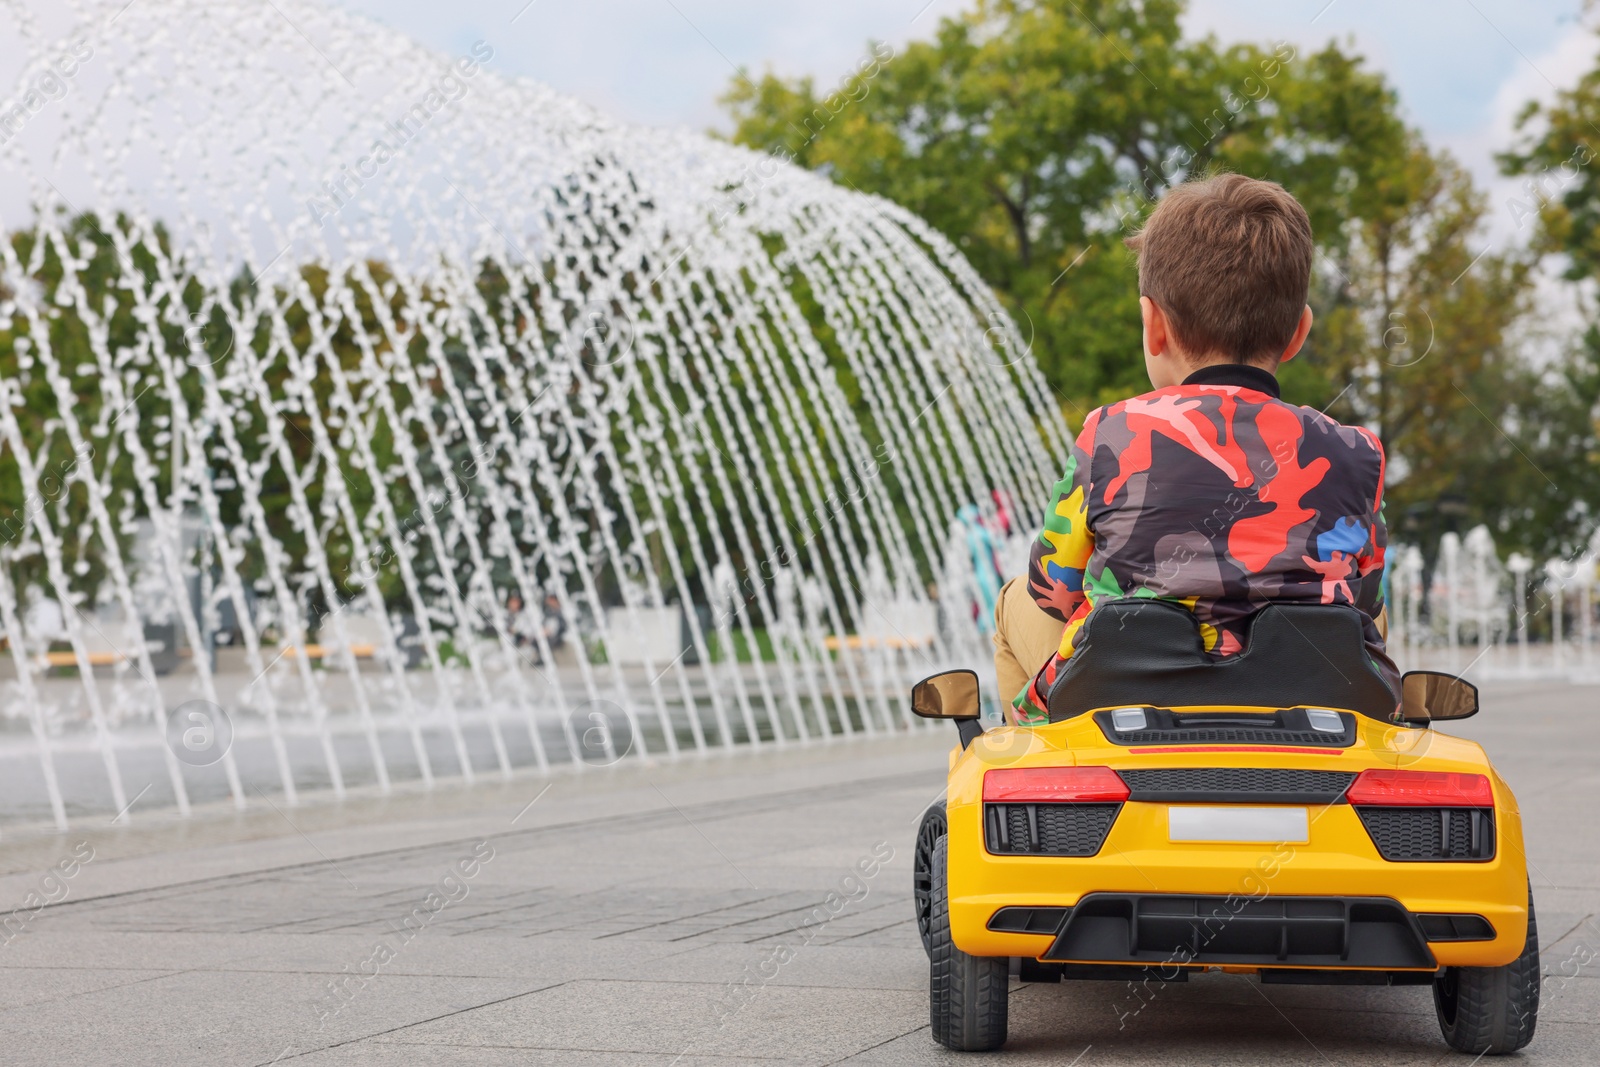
447, 393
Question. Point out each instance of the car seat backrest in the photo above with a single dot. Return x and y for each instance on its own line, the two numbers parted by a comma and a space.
1138, 651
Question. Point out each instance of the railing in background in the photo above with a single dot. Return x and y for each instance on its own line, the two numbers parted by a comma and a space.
1494, 619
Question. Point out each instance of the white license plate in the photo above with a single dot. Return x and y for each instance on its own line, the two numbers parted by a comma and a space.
1237, 823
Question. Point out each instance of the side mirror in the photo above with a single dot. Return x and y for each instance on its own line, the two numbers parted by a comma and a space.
1433, 696
951, 695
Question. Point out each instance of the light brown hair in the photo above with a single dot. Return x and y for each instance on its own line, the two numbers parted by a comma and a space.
1228, 258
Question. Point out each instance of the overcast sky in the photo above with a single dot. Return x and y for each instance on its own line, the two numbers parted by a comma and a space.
1463, 67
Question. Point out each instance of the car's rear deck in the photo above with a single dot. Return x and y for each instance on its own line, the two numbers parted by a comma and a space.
1172, 850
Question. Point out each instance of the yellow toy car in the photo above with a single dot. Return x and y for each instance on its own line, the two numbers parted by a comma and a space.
1271, 813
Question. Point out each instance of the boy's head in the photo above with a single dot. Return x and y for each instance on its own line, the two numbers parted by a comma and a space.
1224, 269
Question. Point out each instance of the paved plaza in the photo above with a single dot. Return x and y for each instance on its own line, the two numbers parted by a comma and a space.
648, 915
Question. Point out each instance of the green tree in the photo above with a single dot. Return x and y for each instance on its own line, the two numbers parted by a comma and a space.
1418, 339
1558, 204
1037, 134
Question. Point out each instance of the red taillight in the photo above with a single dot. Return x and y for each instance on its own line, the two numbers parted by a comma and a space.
1421, 789
1053, 784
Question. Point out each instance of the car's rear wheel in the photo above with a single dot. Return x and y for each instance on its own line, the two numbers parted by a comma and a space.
929, 832
966, 994
1491, 1009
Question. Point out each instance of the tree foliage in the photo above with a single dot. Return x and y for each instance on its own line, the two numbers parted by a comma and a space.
1558, 204
1036, 134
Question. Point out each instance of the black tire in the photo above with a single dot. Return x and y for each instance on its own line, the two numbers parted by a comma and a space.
966, 994
929, 832
1491, 1010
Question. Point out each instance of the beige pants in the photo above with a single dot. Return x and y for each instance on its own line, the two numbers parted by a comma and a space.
1024, 637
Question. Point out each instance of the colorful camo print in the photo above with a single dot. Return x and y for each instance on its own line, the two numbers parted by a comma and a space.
1219, 497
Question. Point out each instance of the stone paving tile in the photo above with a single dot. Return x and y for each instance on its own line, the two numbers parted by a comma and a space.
24, 987
378, 1052
206, 1018
808, 1024
846, 965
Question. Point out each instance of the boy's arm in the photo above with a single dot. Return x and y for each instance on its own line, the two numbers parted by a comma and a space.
1370, 560
1058, 559
1059, 556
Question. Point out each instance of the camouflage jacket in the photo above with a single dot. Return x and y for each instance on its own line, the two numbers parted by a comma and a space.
1218, 495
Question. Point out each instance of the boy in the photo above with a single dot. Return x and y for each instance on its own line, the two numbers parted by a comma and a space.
1210, 490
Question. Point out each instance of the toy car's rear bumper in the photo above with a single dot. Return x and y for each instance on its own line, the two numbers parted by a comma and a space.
1330, 902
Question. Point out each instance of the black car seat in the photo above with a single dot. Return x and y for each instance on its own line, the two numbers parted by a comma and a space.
1141, 652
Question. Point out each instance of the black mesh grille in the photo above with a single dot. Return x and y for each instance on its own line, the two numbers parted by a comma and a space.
1460, 835
1423, 834
1074, 829
1277, 784
1286, 726
1048, 829
1017, 827
1224, 735
1403, 833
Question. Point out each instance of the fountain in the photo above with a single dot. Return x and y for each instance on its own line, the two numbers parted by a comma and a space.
1475, 606
369, 415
